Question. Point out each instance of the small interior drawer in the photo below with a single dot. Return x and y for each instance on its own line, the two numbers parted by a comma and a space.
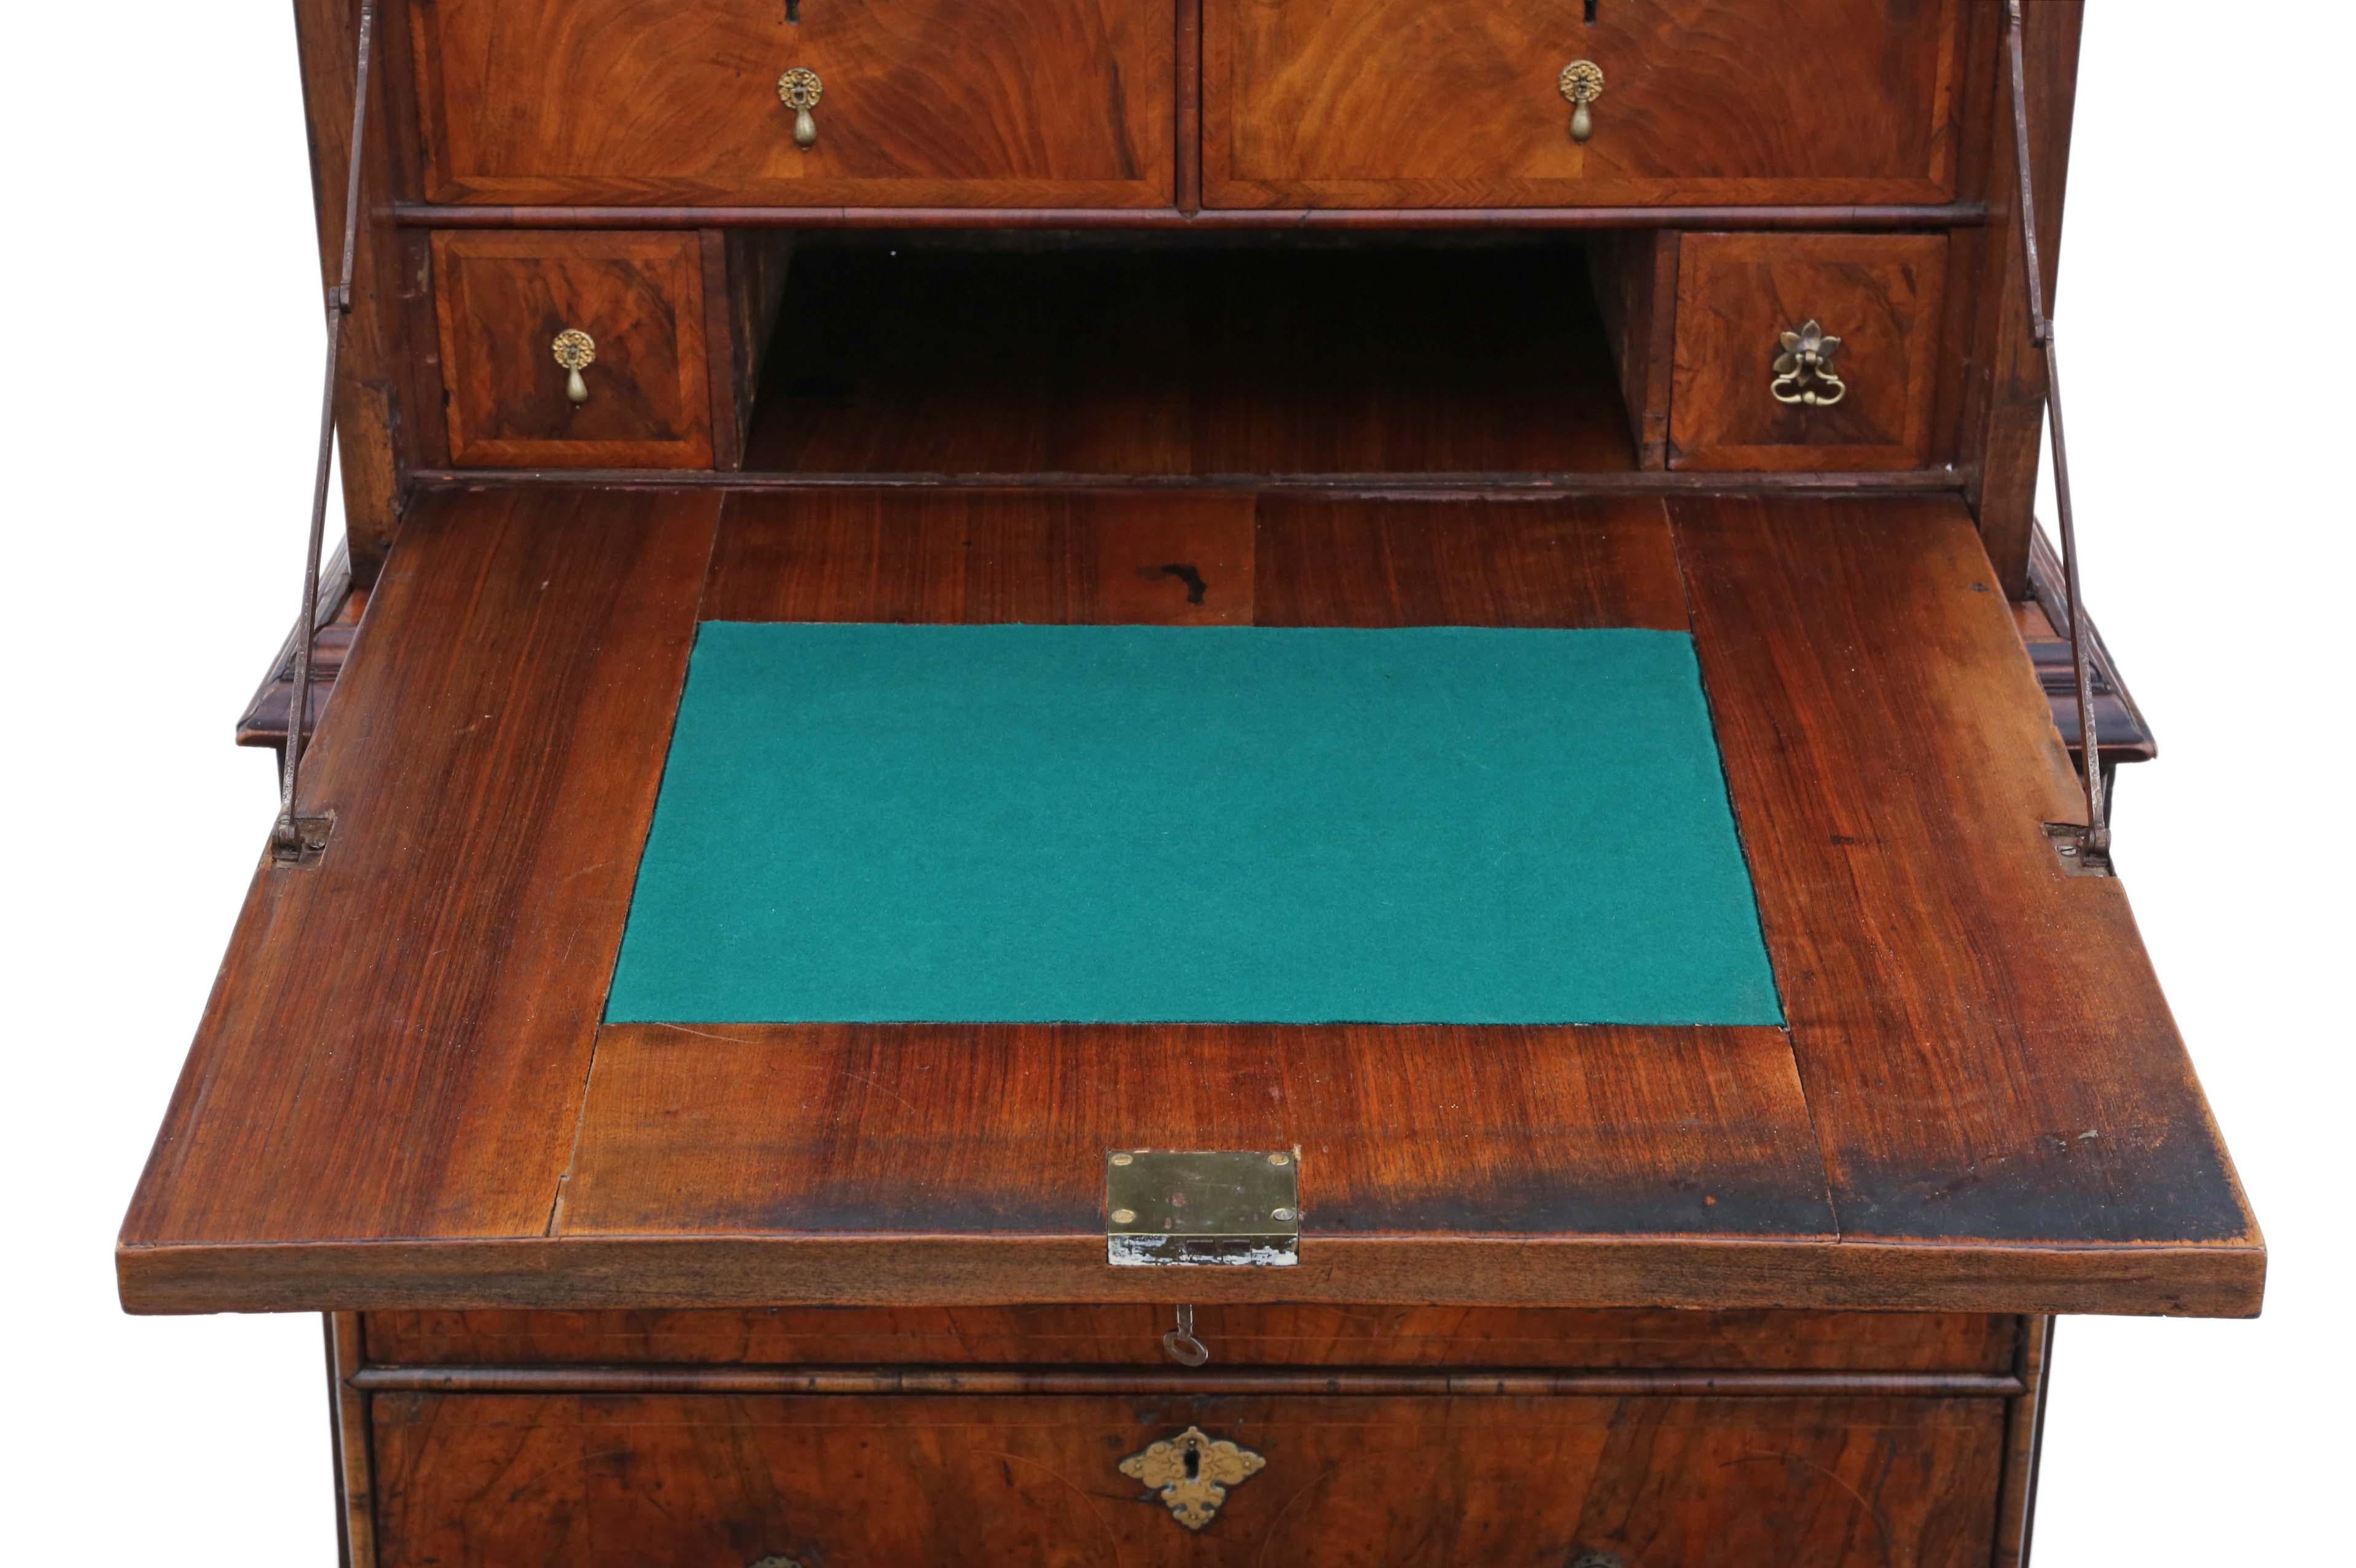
1240, 1336
899, 103
1409, 103
624, 1480
505, 300
1738, 296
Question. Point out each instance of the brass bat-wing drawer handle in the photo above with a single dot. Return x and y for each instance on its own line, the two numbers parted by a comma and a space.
576, 351
1583, 83
798, 89
1804, 370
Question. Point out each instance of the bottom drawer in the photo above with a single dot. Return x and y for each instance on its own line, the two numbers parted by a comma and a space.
731, 1481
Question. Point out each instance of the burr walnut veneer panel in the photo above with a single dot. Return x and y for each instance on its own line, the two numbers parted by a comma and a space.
503, 300
721, 1480
1374, 103
1738, 293
924, 102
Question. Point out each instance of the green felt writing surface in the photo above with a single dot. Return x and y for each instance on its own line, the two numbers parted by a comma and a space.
1139, 823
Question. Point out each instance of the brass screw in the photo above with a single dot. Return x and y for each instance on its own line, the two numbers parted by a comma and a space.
1124, 1159
1283, 1214
1124, 1216
1279, 1160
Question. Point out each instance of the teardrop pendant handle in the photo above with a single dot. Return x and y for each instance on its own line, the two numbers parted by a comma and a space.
1582, 84
800, 90
576, 351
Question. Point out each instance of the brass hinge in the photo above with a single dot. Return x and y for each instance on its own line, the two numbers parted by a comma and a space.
1218, 1208
304, 842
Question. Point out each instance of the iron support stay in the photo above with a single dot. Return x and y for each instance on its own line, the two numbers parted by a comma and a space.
292, 841
2094, 850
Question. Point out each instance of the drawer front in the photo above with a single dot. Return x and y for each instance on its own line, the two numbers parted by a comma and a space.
919, 102
1239, 1336
1413, 103
723, 1481
504, 300
1737, 294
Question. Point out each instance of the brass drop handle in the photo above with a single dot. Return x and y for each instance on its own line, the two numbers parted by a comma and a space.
1583, 83
576, 351
798, 89
1804, 370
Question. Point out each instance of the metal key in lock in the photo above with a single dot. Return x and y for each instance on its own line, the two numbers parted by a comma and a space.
1180, 1342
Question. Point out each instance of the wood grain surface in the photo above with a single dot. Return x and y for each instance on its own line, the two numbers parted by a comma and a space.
633, 1480
925, 103
1594, 562
1374, 103
1985, 1048
965, 557
1270, 1335
1190, 362
398, 1040
505, 298
1635, 273
375, 404
1001, 1129
1736, 295
1980, 1105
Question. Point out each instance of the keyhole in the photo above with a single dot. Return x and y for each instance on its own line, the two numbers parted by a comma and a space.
794, 11
1193, 1462
1591, 11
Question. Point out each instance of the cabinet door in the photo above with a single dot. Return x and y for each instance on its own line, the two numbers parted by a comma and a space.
917, 102
1413, 103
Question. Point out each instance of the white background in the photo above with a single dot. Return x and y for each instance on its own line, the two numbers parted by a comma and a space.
158, 366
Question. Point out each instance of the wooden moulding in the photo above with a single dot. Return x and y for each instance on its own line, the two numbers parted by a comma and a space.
349, 1433
744, 1271
1472, 1384
1487, 487
2024, 1436
1947, 214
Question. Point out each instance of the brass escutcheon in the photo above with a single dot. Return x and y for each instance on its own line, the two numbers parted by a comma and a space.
1193, 1472
576, 351
1804, 370
1583, 83
799, 90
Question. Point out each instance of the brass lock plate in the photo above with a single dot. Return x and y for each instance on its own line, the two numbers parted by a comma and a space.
1202, 1208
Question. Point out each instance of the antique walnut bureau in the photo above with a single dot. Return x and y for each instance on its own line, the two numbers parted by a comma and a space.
1208, 782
